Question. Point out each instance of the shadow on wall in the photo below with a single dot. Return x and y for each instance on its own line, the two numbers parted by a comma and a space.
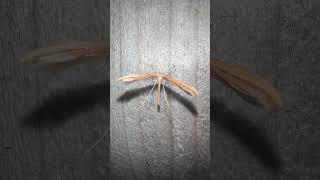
247, 133
61, 106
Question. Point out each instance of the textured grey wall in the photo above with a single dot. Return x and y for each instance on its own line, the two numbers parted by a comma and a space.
169, 37
279, 40
44, 129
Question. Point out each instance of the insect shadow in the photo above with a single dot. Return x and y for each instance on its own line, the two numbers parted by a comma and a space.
62, 105
133, 93
247, 133
246, 98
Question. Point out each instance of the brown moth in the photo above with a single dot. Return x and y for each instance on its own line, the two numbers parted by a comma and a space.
160, 77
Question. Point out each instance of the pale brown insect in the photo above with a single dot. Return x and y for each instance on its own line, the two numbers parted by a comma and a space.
189, 89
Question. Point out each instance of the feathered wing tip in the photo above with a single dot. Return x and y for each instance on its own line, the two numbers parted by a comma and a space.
67, 52
135, 77
247, 84
184, 86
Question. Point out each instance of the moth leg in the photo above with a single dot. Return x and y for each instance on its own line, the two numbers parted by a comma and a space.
106, 132
145, 100
166, 99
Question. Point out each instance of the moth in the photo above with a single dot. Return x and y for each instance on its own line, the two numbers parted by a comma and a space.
242, 81
189, 89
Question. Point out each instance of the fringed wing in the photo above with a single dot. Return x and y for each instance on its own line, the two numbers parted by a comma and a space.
67, 52
184, 86
136, 77
247, 84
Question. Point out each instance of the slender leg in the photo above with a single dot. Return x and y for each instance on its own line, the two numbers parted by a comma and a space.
106, 132
166, 99
147, 96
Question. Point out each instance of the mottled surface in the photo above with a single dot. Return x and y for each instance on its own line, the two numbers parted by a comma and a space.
45, 129
169, 37
279, 40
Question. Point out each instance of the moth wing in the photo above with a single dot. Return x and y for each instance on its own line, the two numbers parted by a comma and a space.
66, 52
135, 77
248, 84
184, 86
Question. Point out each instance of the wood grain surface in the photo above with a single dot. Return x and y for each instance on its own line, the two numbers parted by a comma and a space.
170, 37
